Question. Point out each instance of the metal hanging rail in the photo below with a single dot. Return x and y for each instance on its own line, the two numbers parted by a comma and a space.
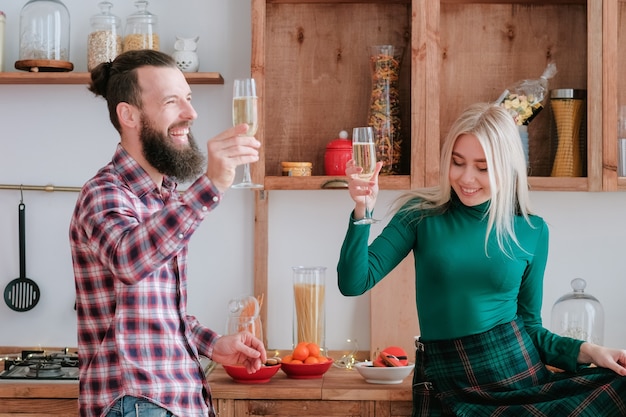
47, 188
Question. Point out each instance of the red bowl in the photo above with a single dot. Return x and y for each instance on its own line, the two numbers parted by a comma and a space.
239, 373
306, 370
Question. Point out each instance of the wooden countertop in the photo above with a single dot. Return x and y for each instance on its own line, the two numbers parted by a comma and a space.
14, 388
336, 384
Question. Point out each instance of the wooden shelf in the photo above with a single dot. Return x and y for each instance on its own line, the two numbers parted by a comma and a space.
559, 184
403, 182
323, 182
83, 78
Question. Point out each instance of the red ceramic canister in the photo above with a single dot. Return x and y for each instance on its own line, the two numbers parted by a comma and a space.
338, 153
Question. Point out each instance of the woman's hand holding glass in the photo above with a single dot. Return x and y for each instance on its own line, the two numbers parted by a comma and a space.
363, 191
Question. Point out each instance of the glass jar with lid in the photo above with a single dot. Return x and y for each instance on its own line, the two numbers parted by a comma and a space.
579, 315
309, 305
2, 23
104, 42
44, 37
141, 29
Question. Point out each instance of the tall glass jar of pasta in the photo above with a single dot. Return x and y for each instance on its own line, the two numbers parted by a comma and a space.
384, 110
309, 320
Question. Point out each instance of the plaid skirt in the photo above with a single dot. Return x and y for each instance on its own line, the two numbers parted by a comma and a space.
499, 374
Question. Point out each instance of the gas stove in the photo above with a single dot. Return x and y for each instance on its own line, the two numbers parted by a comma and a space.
42, 365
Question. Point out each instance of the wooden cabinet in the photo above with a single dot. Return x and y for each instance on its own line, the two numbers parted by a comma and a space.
339, 393
310, 60
311, 63
613, 88
38, 399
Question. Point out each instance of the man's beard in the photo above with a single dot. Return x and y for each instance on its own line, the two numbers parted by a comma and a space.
182, 163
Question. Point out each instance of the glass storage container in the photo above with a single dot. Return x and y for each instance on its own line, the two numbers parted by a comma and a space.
384, 111
244, 315
297, 169
309, 320
568, 110
104, 42
2, 23
44, 37
579, 315
141, 29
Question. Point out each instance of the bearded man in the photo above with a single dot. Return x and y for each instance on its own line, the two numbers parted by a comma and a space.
137, 346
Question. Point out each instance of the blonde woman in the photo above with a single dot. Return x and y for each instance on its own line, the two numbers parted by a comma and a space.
480, 255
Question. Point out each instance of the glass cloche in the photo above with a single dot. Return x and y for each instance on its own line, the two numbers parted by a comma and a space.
44, 37
579, 315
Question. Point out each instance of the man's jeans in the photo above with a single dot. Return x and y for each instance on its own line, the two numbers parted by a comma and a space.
137, 407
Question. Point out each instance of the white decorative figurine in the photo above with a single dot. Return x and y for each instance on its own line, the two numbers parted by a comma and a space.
185, 54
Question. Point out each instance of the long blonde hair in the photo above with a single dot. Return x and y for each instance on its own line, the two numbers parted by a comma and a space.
499, 137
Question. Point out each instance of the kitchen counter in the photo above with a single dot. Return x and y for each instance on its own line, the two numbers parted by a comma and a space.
340, 392
38, 398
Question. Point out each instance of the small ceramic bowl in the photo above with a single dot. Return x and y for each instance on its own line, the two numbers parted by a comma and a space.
306, 370
239, 373
383, 375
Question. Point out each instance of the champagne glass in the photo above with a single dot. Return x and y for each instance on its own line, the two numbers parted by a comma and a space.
245, 111
364, 156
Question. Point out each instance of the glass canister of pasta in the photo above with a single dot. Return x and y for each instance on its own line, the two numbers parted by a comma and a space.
309, 305
384, 110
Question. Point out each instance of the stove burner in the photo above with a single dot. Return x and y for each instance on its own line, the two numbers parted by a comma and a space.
44, 370
41, 365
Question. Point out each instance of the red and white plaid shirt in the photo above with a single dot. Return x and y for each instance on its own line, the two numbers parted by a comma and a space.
129, 250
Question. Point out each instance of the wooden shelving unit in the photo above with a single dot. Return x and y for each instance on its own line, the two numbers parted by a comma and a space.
310, 60
83, 78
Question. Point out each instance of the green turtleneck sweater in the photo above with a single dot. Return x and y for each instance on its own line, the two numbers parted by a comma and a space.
460, 289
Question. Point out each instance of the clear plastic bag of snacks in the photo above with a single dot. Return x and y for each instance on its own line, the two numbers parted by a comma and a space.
524, 99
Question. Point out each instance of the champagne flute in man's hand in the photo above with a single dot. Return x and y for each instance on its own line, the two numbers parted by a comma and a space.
245, 111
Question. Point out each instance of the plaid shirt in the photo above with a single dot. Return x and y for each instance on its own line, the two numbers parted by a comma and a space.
129, 250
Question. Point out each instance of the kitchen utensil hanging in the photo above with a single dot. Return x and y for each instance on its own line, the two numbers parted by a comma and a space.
22, 294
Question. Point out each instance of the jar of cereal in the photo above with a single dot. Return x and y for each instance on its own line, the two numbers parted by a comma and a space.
104, 42
141, 29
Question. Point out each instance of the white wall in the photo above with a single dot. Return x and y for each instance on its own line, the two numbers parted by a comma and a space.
55, 134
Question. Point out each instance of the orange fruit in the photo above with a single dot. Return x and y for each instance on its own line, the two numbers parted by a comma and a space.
311, 359
296, 362
287, 359
322, 359
301, 351
314, 349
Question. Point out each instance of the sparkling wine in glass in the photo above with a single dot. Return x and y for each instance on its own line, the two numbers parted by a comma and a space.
245, 110
364, 156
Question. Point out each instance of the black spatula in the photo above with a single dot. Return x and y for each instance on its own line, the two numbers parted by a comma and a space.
22, 294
